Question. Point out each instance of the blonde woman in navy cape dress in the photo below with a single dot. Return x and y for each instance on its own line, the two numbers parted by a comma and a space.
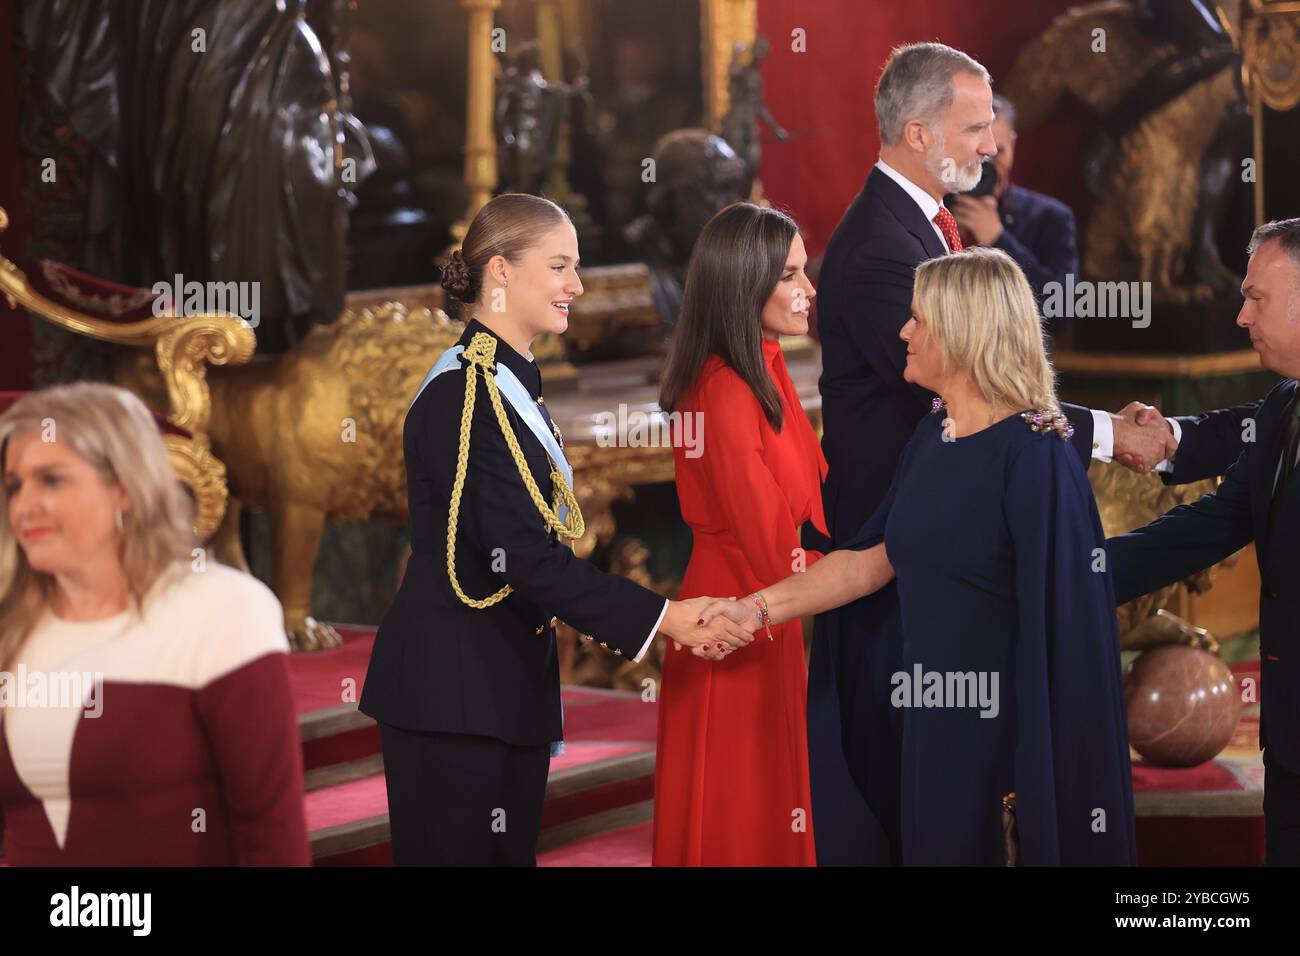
1011, 677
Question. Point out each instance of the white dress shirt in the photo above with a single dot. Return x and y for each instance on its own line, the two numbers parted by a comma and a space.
651, 636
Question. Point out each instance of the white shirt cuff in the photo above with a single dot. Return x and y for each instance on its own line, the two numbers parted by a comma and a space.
1103, 435
1167, 464
653, 631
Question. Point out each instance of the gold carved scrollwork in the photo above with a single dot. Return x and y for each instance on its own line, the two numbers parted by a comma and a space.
1271, 48
183, 347
183, 355
183, 344
205, 476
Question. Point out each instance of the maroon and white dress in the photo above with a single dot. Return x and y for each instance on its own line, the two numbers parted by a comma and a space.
166, 737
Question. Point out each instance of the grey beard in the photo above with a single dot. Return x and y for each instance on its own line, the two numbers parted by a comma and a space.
954, 180
969, 179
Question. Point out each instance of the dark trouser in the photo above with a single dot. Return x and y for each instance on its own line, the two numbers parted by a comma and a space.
1281, 814
461, 800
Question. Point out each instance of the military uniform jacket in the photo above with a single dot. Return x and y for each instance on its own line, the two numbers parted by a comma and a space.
441, 665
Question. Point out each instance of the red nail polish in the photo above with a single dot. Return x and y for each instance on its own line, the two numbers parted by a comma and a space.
700, 622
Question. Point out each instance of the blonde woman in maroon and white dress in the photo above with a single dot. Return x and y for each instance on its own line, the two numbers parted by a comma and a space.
168, 736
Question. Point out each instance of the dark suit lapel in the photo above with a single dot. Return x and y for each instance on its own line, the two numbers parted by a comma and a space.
904, 207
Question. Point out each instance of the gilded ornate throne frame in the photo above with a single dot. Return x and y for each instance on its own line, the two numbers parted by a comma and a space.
1270, 41
183, 346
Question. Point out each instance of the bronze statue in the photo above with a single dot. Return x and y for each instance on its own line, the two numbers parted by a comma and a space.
1165, 160
1194, 47
740, 125
216, 140
695, 173
529, 115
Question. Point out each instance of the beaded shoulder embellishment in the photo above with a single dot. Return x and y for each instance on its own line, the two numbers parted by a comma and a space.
1049, 421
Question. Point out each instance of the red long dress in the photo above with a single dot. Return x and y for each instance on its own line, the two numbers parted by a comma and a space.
731, 779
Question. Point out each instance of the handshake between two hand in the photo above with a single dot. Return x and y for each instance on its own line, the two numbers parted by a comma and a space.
1143, 438
711, 627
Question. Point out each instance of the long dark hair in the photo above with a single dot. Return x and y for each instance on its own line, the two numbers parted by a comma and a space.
737, 262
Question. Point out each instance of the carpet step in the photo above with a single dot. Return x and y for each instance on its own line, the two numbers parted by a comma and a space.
628, 845
599, 793
339, 773
603, 782
593, 788
595, 831
336, 735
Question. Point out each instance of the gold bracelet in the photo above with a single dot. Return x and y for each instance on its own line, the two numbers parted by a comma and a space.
763, 616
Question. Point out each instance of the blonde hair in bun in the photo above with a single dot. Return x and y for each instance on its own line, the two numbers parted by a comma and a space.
508, 225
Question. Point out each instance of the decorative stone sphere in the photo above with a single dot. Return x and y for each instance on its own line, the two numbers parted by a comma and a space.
1183, 705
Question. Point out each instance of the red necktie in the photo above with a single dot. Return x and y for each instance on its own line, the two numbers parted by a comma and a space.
947, 224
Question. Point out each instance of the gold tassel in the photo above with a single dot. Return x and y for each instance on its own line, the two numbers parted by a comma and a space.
481, 354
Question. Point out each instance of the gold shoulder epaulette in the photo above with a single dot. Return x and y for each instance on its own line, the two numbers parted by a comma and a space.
482, 351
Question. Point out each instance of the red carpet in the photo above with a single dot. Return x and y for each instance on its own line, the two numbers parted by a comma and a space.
1206, 815
359, 799
629, 846
591, 714
348, 820
577, 753
1208, 776
346, 802
318, 679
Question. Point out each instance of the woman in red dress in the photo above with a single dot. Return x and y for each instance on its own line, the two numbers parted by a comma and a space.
731, 781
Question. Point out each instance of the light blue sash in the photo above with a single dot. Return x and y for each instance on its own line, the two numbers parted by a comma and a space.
527, 409
520, 401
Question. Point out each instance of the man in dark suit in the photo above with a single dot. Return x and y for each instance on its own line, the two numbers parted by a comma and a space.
934, 107
1258, 500
1034, 229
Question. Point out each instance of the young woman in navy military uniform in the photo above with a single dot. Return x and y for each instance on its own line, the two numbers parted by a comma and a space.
464, 678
